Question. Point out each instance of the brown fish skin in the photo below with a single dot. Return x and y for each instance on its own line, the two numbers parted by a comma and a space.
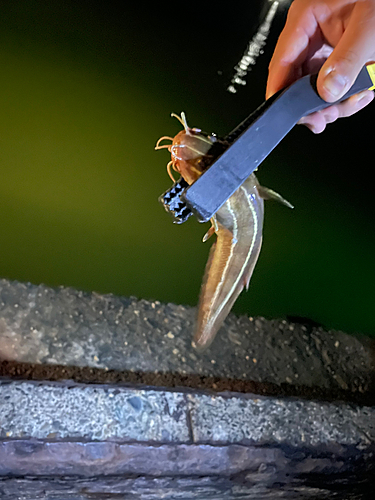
233, 256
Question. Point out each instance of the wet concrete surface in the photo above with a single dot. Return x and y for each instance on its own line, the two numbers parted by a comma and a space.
104, 397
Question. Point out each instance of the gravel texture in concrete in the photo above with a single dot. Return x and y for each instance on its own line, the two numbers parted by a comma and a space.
104, 397
116, 442
64, 327
63, 411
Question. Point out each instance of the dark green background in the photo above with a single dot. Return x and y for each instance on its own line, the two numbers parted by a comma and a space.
86, 89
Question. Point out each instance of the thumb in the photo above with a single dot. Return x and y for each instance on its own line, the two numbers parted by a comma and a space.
353, 51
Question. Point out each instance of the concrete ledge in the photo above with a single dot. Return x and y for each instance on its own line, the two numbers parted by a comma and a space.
273, 408
226, 445
66, 412
65, 333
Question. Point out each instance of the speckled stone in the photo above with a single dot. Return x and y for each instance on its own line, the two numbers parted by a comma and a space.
274, 421
63, 326
67, 439
92, 412
61, 411
79, 441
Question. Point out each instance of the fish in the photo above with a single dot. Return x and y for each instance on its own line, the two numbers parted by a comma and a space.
238, 226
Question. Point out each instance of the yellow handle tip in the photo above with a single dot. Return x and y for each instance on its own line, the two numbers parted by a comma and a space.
371, 71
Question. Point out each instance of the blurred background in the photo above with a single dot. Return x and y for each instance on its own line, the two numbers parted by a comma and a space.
87, 88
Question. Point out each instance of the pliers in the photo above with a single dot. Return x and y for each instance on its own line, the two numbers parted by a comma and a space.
249, 144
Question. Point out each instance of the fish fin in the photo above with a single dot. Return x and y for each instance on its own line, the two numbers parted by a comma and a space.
247, 280
208, 235
270, 194
213, 229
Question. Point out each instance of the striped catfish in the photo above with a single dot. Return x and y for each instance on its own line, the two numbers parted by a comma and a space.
238, 226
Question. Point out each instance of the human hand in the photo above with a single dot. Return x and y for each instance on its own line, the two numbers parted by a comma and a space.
336, 37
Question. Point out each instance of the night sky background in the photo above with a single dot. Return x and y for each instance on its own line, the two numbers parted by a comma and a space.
86, 89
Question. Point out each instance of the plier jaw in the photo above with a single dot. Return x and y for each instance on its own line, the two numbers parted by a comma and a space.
173, 204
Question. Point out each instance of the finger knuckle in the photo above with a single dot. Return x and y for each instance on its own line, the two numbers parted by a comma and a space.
297, 8
349, 58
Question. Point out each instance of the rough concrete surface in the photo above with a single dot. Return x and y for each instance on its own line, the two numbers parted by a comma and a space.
104, 397
64, 327
145, 415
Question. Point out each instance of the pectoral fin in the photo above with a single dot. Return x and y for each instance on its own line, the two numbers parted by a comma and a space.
213, 229
269, 194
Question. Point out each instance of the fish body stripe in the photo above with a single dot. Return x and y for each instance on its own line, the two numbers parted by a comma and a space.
240, 275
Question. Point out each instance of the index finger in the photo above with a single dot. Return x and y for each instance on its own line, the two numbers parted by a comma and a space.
292, 48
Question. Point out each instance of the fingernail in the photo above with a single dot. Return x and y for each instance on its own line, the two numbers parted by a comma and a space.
365, 99
335, 84
363, 102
